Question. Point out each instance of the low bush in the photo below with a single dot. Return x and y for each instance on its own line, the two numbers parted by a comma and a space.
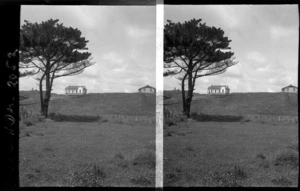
72, 118
28, 118
216, 118
172, 118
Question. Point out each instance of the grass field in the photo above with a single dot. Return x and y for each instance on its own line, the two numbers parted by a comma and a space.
87, 154
231, 154
238, 103
94, 104
80, 147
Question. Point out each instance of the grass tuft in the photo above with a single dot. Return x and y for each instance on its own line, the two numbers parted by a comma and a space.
88, 177
261, 156
287, 158
145, 159
230, 178
119, 156
141, 181
282, 181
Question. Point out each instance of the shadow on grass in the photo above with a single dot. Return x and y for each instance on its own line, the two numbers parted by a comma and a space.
217, 118
73, 118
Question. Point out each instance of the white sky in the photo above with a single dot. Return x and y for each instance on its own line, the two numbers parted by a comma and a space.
264, 39
121, 39
122, 42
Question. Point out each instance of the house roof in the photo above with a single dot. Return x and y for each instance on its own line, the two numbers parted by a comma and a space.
75, 87
290, 86
147, 86
217, 87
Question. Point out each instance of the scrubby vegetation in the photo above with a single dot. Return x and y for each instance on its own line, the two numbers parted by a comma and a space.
216, 118
73, 118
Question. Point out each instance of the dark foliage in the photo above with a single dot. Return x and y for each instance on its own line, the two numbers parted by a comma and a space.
216, 118
73, 118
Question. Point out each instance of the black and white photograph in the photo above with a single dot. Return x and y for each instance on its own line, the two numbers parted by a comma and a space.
149, 94
87, 96
231, 96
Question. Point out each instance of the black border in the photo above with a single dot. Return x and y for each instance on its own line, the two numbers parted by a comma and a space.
10, 19
9, 100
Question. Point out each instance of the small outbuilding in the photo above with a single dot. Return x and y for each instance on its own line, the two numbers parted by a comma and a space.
290, 89
75, 90
218, 89
147, 89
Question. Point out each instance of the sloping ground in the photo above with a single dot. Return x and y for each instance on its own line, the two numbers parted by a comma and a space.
98, 104
242, 104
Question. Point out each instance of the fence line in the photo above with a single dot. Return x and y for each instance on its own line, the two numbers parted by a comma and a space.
272, 118
130, 118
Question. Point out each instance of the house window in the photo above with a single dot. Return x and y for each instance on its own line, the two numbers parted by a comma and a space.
222, 90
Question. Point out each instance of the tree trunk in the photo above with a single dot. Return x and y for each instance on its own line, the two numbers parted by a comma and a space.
41, 95
183, 95
47, 94
189, 95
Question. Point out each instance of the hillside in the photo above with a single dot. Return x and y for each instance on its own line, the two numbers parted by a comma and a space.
94, 103
240, 104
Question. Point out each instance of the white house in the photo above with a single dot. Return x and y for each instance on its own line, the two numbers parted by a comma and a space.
218, 89
76, 90
147, 89
290, 89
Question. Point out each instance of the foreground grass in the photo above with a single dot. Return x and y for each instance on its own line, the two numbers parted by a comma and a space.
231, 154
87, 154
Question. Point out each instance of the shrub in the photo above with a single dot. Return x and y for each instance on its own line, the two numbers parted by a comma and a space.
217, 118
169, 122
172, 118
28, 118
72, 118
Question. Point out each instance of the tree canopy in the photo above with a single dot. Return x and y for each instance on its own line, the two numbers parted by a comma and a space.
50, 50
193, 50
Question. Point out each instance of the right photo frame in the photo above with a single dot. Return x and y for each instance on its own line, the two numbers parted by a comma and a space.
230, 96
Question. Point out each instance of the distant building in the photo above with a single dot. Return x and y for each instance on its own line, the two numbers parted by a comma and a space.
290, 89
218, 89
76, 90
147, 89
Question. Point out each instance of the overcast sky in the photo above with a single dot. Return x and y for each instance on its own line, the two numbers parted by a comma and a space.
122, 42
121, 39
264, 39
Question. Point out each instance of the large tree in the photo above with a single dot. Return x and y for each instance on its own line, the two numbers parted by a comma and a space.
50, 50
193, 50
